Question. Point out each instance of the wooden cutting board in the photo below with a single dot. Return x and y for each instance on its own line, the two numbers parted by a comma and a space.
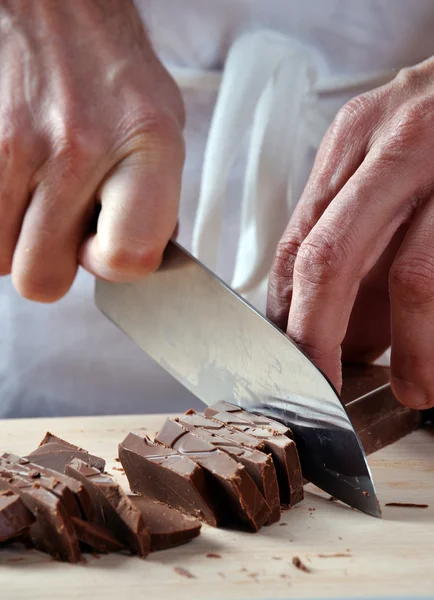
348, 553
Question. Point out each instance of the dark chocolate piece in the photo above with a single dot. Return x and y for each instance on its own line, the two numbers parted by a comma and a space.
81, 496
11, 466
282, 449
258, 465
254, 419
239, 495
96, 538
162, 474
168, 526
15, 518
52, 532
54, 453
113, 509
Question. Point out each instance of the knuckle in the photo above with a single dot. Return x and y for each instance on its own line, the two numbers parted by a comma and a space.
322, 258
412, 279
133, 259
285, 256
155, 130
353, 112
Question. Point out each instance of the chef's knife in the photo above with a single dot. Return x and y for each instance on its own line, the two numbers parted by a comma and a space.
221, 348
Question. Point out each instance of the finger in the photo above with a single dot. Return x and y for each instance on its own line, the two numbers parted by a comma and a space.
45, 259
368, 333
139, 209
342, 248
17, 168
412, 304
340, 154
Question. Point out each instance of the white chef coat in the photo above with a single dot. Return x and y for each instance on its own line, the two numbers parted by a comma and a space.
66, 358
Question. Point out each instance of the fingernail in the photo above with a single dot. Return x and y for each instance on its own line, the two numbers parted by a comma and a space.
409, 393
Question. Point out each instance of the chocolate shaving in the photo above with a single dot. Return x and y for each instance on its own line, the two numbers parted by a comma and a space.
407, 505
184, 572
335, 555
298, 564
213, 555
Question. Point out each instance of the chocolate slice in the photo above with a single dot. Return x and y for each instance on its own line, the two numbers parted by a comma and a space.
162, 474
55, 453
12, 465
48, 476
52, 532
96, 538
238, 495
282, 449
168, 526
254, 419
113, 509
15, 518
258, 465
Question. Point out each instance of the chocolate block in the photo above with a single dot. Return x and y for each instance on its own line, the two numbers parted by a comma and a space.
238, 493
54, 453
258, 465
254, 420
113, 509
52, 532
282, 449
168, 526
96, 538
162, 474
15, 518
11, 466
376, 415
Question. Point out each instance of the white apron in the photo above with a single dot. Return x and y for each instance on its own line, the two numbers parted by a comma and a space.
289, 66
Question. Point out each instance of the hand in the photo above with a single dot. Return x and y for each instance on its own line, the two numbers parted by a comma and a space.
354, 269
88, 116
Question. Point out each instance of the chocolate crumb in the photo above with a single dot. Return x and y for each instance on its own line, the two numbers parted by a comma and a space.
222, 575
339, 538
117, 460
118, 469
15, 559
183, 572
365, 493
283, 524
333, 499
407, 504
284, 575
276, 557
213, 555
243, 569
190, 411
298, 564
335, 555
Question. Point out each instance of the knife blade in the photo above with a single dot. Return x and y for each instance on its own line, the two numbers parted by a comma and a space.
221, 348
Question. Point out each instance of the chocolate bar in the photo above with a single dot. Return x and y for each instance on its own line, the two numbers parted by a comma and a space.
113, 509
238, 495
162, 474
258, 465
15, 518
54, 453
52, 532
375, 413
282, 449
168, 526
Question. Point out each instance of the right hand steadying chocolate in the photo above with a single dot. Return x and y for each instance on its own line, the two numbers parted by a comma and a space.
88, 115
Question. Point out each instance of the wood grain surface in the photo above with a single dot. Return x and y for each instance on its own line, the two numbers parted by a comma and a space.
348, 554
